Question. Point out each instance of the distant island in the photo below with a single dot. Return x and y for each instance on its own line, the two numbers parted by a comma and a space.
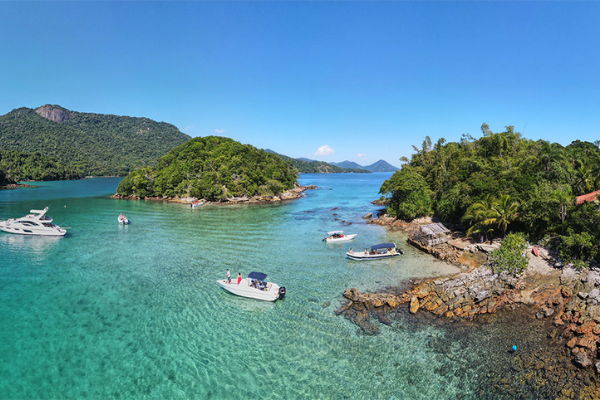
51, 142
379, 166
307, 166
212, 168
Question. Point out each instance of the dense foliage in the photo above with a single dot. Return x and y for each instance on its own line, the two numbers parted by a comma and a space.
318, 167
510, 256
97, 144
16, 166
213, 168
503, 182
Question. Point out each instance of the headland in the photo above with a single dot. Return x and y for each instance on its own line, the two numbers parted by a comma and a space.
558, 303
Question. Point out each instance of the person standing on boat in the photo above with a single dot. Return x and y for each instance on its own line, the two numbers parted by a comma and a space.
228, 275
239, 277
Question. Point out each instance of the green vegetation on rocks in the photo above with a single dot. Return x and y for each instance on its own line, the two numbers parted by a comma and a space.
503, 183
212, 168
510, 256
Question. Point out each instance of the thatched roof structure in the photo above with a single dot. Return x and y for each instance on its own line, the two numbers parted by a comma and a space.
433, 229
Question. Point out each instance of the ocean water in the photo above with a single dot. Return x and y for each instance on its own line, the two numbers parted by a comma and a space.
112, 311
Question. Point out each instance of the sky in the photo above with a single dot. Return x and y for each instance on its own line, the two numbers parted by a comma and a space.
325, 80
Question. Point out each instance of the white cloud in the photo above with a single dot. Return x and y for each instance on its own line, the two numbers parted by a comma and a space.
188, 127
220, 131
324, 151
361, 156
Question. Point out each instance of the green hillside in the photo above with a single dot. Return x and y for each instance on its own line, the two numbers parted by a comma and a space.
317, 167
16, 166
213, 168
96, 144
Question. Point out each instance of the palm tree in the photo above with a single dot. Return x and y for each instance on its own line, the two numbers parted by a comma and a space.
564, 198
482, 216
506, 211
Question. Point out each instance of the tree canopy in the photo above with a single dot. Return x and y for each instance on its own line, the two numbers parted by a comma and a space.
503, 182
213, 168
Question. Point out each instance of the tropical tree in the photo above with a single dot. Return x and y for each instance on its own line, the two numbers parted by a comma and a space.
410, 194
506, 212
564, 199
482, 216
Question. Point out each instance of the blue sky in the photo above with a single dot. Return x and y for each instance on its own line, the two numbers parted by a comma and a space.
332, 81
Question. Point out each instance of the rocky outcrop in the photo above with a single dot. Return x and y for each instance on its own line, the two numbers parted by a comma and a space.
53, 113
570, 305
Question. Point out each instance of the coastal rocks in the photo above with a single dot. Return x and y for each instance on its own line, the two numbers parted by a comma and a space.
291, 194
368, 216
414, 305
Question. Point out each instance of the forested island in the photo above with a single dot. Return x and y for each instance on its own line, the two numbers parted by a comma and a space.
212, 168
503, 183
71, 145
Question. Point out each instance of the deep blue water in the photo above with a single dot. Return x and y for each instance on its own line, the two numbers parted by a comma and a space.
134, 311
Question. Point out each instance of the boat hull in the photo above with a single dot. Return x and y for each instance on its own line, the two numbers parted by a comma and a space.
13, 228
363, 257
342, 239
244, 290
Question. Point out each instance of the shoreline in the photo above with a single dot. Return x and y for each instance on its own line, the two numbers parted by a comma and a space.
563, 300
292, 194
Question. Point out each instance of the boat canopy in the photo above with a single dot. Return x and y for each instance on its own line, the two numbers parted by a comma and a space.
258, 276
39, 211
383, 246
334, 232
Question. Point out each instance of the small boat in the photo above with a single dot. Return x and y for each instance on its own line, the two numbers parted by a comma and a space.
255, 286
535, 251
338, 236
383, 250
196, 204
123, 219
36, 223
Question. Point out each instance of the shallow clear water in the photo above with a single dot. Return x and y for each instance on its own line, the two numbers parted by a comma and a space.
135, 311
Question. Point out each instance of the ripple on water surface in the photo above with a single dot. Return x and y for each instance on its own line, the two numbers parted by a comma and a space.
134, 311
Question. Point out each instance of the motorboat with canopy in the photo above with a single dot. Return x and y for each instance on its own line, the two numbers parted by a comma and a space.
36, 223
338, 236
255, 286
383, 250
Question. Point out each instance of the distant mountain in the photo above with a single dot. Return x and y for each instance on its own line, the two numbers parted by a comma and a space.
316, 167
348, 164
379, 166
95, 144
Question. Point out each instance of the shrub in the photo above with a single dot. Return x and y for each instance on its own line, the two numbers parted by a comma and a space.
510, 257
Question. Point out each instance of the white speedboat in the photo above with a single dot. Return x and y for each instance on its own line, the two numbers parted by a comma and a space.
255, 286
36, 223
383, 250
196, 204
123, 219
338, 236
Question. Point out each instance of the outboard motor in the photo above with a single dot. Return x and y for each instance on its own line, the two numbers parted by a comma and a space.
282, 292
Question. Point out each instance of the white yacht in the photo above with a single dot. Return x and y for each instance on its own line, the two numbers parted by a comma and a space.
36, 223
255, 286
338, 236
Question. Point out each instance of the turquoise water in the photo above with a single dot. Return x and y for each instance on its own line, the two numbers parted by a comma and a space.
112, 311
